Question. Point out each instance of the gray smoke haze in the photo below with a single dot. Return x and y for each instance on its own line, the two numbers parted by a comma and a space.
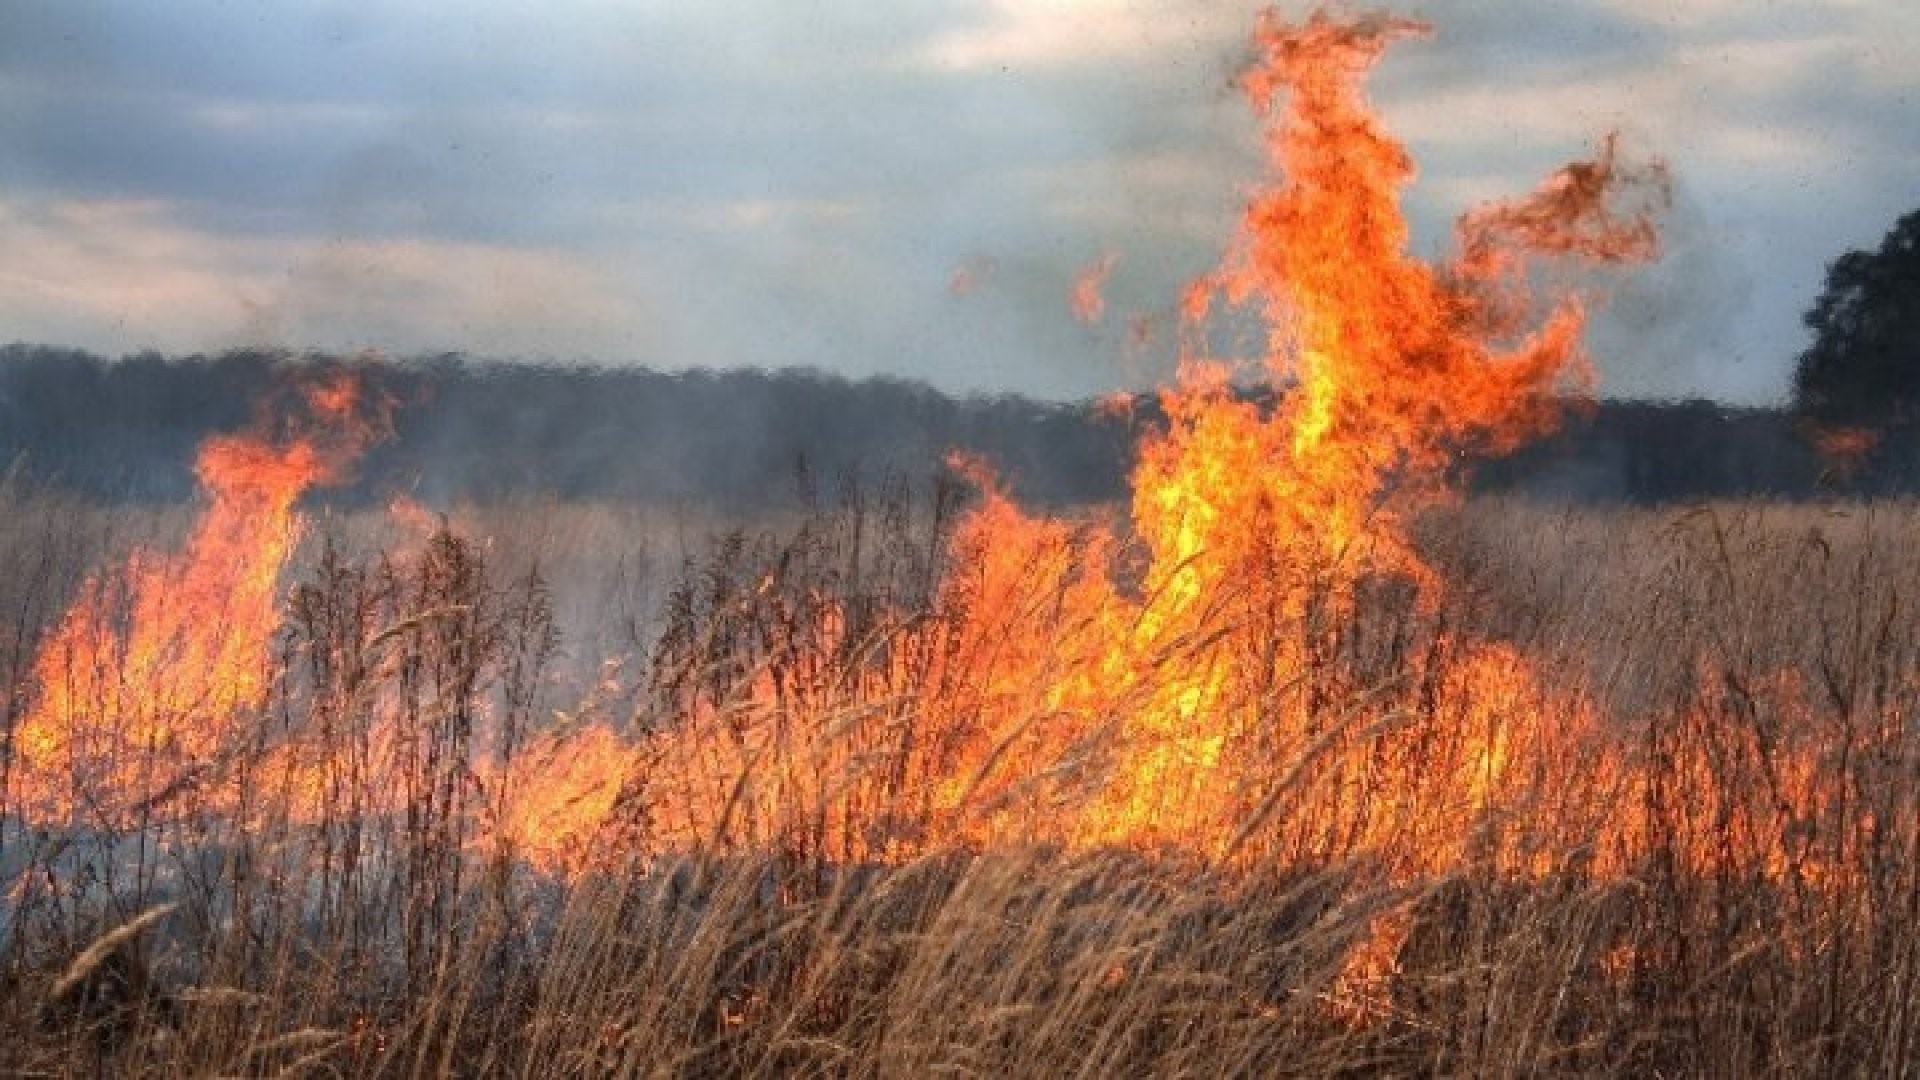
757, 184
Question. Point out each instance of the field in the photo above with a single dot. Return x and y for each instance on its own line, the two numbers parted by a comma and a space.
1298, 762
1704, 864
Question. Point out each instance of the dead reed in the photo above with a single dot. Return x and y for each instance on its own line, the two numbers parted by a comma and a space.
1702, 855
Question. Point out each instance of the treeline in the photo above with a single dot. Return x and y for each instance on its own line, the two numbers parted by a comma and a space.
1653, 452
128, 428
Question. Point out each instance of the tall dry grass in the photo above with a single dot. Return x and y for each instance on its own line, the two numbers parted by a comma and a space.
1752, 667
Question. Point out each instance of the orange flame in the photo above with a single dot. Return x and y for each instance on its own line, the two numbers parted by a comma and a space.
1145, 707
1846, 450
1386, 368
163, 656
1165, 682
1087, 684
1089, 305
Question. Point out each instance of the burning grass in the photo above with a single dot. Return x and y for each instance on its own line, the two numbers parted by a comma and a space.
1717, 876
1299, 765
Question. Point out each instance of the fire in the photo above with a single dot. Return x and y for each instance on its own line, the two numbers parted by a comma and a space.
141, 681
1395, 365
1138, 685
559, 793
1088, 302
1386, 367
1257, 508
1846, 450
1166, 681
1254, 669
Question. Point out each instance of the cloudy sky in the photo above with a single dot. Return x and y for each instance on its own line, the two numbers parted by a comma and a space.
908, 188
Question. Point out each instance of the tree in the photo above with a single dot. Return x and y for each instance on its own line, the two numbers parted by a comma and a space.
1864, 366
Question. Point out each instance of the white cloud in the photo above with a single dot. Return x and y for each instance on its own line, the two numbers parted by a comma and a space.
1061, 33
119, 275
745, 182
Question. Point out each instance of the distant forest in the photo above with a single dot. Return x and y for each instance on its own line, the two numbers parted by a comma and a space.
736, 440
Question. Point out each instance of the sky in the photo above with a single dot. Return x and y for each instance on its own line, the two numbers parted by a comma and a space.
909, 188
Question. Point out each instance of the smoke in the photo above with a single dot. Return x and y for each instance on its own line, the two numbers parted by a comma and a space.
1672, 330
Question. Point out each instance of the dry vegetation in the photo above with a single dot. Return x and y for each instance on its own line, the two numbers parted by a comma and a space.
1754, 663
1297, 767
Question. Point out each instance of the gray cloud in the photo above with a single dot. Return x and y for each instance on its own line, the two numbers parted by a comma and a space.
795, 184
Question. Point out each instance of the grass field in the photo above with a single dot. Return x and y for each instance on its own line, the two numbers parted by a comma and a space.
1297, 764
1698, 856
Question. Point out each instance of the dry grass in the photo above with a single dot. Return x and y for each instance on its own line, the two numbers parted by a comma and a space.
1755, 928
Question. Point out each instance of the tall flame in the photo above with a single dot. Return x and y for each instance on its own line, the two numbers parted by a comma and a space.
1392, 366
1253, 507
1068, 702
1086, 683
160, 658
1088, 302
1385, 368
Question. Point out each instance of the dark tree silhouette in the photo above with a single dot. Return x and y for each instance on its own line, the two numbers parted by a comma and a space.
1864, 365
732, 440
